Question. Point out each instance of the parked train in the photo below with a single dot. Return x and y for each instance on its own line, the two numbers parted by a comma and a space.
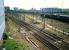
63, 18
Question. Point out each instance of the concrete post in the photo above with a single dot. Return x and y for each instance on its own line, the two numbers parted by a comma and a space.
2, 20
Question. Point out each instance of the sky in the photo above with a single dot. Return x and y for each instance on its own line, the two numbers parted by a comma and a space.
28, 4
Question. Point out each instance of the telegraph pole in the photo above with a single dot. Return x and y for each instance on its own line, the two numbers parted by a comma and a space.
43, 20
62, 13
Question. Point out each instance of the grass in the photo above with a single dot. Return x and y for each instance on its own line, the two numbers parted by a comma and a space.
15, 43
12, 44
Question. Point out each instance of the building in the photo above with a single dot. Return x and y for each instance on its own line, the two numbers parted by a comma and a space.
16, 9
2, 20
34, 10
50, 10
7, 8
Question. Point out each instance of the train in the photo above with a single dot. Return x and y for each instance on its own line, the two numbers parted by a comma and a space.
63, 18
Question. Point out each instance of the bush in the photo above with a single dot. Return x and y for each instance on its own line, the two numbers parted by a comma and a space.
5, 36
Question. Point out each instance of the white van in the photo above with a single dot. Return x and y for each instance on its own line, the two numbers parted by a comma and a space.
2, 19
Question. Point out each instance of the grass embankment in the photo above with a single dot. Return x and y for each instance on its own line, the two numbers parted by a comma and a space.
14, 42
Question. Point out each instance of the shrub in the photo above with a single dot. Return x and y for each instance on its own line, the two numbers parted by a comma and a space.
5, 36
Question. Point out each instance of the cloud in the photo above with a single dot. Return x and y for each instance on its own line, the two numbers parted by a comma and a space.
27, 4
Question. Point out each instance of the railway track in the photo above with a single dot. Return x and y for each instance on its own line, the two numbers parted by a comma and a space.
44, 41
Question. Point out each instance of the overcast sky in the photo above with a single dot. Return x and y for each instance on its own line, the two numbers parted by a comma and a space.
28, 4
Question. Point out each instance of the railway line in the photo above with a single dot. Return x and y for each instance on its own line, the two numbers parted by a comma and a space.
47, 43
